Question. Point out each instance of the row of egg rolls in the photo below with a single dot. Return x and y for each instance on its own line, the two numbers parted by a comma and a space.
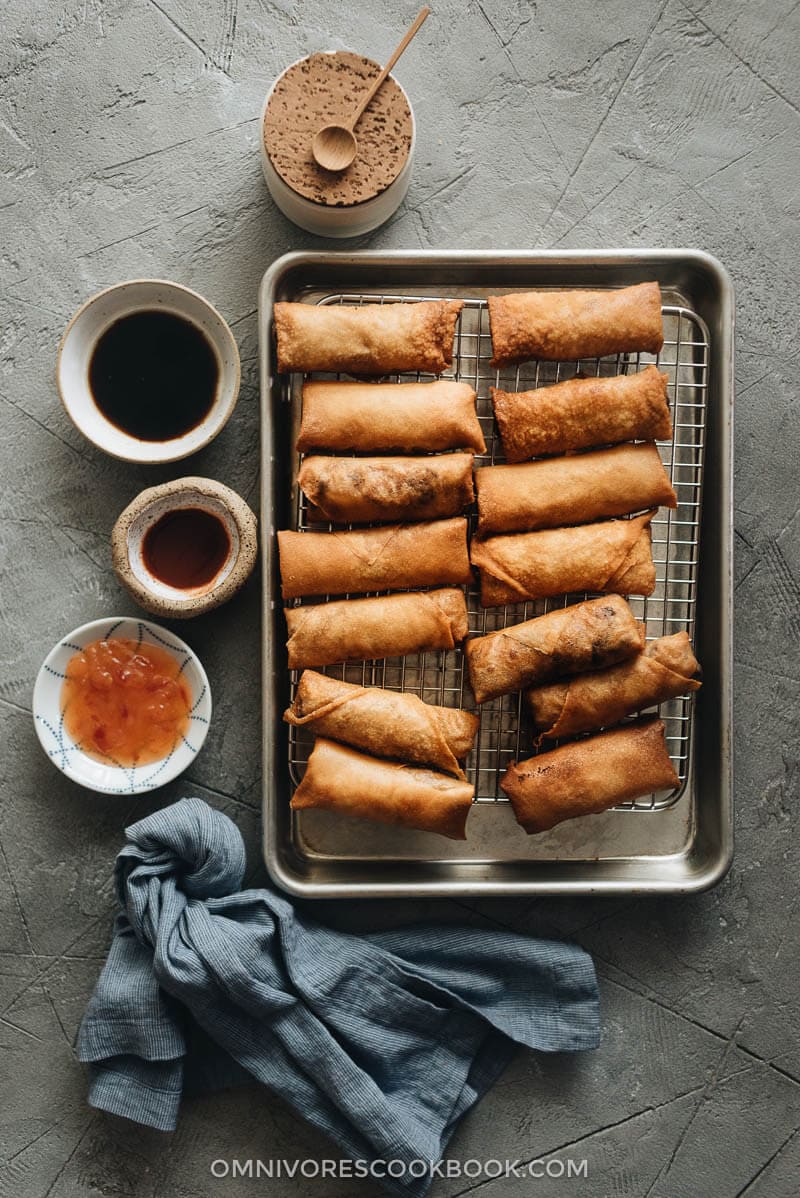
377, 338
574, 489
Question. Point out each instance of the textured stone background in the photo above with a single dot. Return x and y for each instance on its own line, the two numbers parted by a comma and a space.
128, 147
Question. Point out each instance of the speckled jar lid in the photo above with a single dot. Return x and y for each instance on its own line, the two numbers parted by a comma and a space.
157, 596
324, 89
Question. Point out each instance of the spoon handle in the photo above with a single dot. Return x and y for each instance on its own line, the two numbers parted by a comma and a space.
355, 118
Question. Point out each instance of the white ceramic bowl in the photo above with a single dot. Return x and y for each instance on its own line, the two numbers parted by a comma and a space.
75, 354
350, 220
48, 711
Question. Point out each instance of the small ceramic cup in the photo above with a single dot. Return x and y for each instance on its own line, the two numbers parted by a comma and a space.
70, 758
75, 354
157, 596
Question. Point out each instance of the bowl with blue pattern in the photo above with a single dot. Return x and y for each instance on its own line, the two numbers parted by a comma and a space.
103, 774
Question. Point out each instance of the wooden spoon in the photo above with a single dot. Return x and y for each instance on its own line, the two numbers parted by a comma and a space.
334, 147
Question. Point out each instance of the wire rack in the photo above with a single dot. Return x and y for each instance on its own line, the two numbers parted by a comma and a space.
505, 733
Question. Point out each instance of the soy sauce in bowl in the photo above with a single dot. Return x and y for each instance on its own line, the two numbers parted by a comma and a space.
154, 375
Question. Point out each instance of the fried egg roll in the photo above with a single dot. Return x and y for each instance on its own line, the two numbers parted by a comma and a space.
370, 339
380, 417
580, 413
571, 490
353, 784
664, 670
558, 325
568, 640
590, 775
364, 629
362, 490
612, 556
392, 557
383, 722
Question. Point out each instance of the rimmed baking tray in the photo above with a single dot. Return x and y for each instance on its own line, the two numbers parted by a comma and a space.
666, 843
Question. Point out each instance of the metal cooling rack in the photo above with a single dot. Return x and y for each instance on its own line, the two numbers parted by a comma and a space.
505, 732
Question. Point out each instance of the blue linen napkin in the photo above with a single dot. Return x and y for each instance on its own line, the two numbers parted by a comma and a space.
383, 1041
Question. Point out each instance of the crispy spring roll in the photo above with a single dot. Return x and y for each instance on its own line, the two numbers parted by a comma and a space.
384, 723
361, 490
353, 784
558, 325
364, 629
664, 670
373, 339
613, 556
379, 417
569, 640
580, 413
571, 490
392, 557
590, 775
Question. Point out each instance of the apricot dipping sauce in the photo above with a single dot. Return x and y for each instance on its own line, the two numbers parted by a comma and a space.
125, 702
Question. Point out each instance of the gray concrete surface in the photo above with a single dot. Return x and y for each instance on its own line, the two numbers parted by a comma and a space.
128, 147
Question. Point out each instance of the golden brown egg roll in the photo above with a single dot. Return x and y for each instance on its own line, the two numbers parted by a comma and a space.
392, 557
383, 722
568, 640
362, 490
580, 413
612, 556
566, 325
380, 417
371, 339
571, 490
590, 775
353, 784
364, 629
664, 670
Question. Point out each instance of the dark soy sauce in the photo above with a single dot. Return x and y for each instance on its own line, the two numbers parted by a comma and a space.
186, 548
154, 375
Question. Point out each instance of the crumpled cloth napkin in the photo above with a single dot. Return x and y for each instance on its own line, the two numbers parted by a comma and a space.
383, 1041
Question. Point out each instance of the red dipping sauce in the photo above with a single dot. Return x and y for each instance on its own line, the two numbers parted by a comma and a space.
125, 703
186, 548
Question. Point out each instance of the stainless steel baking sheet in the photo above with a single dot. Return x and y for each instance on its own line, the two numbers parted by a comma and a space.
665, 842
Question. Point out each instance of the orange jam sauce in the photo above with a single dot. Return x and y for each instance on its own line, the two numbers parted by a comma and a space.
124, 702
